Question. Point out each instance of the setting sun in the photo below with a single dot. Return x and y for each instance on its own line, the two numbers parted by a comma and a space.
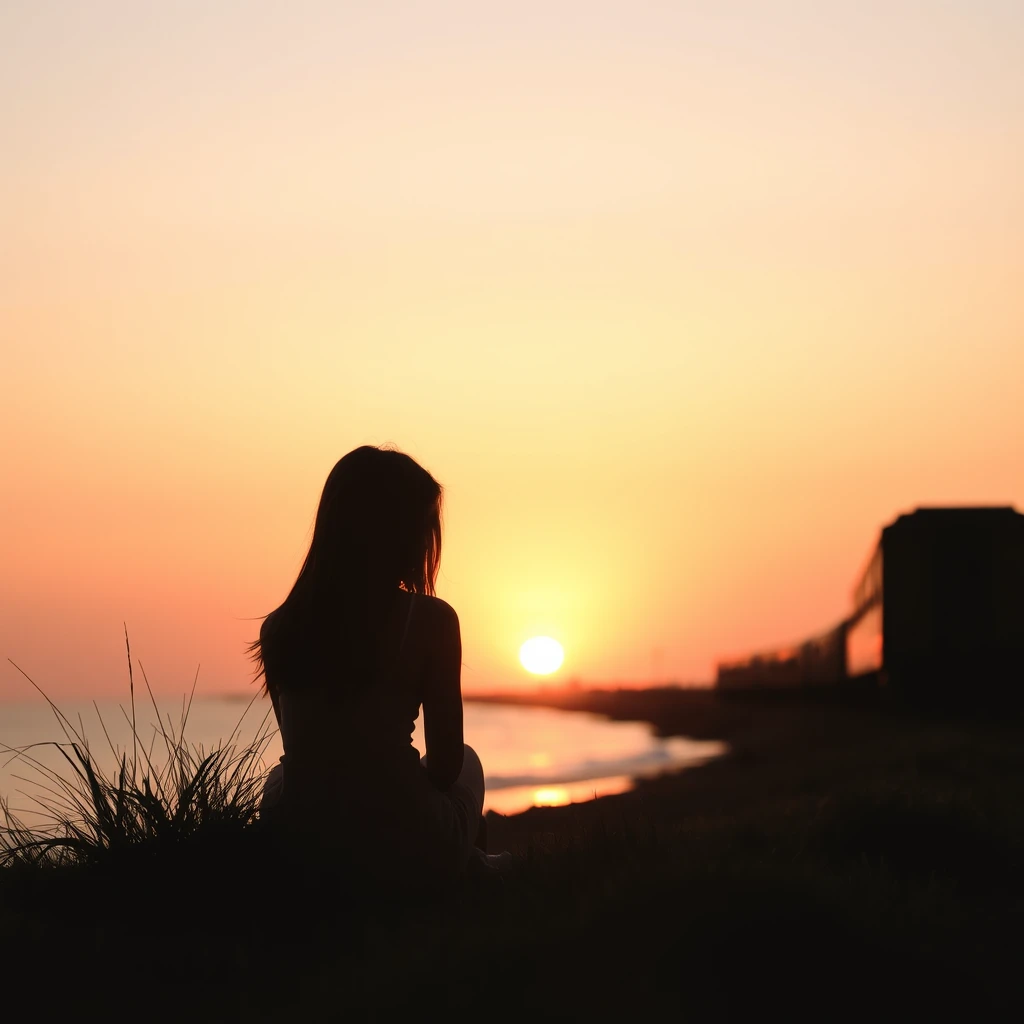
541, 655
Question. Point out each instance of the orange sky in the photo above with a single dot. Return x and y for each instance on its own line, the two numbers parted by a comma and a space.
681, 306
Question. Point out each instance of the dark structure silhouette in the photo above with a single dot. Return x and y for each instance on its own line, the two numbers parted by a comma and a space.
938, 616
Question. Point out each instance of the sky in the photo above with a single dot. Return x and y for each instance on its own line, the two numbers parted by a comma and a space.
680, 302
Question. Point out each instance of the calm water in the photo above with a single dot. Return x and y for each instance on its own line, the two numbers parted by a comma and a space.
532, 756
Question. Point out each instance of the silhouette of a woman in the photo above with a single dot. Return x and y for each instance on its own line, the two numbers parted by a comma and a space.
359, 645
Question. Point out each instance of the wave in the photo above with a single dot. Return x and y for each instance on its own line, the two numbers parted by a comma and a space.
648, 762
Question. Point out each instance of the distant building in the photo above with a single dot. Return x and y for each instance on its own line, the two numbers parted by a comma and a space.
938, 614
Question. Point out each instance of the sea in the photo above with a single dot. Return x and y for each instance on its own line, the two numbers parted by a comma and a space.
532, 756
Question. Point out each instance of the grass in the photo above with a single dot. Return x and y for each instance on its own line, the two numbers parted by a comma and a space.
164, 794
841, 865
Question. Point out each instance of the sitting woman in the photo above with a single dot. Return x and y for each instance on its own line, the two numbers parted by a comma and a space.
359, 645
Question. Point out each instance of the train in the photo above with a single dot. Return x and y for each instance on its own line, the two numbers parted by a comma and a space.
937, 615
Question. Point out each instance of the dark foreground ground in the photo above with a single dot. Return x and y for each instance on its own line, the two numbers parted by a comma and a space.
843, 864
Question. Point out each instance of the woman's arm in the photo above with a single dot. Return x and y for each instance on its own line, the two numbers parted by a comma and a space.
442, 697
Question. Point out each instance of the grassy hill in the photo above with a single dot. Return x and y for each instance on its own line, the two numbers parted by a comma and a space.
841, 864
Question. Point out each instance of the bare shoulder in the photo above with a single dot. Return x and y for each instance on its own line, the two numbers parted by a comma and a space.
440, 624
441, 641
438, 611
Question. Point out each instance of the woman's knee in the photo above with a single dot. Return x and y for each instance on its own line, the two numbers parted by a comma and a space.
273, 789
472, 774
471, 758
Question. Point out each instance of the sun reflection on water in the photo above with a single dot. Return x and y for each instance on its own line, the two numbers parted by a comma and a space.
551, 796
514, 799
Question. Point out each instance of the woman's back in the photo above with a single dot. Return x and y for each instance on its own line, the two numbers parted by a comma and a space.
335, 723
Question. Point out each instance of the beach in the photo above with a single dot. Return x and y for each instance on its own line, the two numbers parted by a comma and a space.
779, 746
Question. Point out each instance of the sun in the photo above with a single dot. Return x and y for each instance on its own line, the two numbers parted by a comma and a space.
541, 655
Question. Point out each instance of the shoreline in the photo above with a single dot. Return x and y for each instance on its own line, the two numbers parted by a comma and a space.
671, 711
780, 749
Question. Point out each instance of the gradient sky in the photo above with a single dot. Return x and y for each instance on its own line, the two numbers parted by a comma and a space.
681, 303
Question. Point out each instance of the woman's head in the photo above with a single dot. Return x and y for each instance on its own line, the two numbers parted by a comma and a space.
378, 525
377, 529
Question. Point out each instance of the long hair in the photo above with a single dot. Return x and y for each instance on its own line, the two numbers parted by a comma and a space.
377, 530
